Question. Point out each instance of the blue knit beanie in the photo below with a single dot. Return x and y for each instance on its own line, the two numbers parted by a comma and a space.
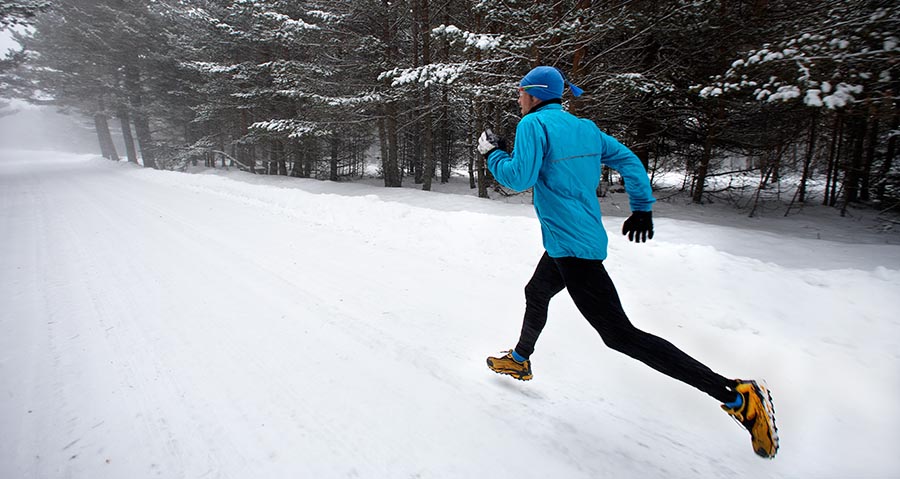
546, 83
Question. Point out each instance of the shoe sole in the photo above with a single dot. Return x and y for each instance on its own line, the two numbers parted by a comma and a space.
510, 373
769, 406
760, 392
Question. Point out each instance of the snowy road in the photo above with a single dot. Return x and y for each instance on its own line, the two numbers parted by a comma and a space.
158, 324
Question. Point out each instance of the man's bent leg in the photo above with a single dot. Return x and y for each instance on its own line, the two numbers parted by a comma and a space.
544, 284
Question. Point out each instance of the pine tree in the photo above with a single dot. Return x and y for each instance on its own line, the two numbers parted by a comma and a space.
837, 57
20, 12
98, 57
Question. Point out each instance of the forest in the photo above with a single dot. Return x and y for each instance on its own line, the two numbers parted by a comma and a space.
739, 99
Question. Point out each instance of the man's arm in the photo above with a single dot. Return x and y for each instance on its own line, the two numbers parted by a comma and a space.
519, 170
637, 184
639, 226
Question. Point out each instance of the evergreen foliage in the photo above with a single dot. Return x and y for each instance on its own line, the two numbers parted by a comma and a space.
770, 88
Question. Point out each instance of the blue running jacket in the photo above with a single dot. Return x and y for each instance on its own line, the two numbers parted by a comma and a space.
561, 155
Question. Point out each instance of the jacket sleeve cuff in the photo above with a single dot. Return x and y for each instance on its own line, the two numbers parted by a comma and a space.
487, 158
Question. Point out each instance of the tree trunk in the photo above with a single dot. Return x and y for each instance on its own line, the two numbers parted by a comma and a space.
702, 170
414, 132
831, 170
222, 148
310, 157
297, 159
581, 41
446, 135
869, 156
333, 163
470, 149
888, 160
270, 164
107, 147
278, 156
389, 162
810, 151
141, 120
428, 167
837, 164
125, 121
706, 159
246, 159
536, 19
646, 127
389, 159
382, 144
480, 167
854, 172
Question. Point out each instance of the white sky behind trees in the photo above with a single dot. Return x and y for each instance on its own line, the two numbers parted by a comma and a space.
6, 42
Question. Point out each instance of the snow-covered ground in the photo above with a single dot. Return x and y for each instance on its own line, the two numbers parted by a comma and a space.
160, 324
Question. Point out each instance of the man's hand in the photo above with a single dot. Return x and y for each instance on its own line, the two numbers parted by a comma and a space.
488, 142
639, 226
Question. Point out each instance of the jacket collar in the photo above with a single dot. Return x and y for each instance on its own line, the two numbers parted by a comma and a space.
547, 103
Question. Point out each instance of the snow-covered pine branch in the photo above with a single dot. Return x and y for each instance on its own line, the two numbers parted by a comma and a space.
293, 128
435, 73
480, 41
832, 68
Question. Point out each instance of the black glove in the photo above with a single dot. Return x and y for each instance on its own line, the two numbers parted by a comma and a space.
501, 144
639, 226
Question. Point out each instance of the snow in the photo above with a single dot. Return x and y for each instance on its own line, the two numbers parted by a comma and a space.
843, 94
289, 24
7, 43
207, 67
480, 41
710, 91
296, 128
784, 93
440, 73
218, 324
812, 97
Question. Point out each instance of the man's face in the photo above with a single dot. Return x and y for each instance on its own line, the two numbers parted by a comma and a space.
526, 101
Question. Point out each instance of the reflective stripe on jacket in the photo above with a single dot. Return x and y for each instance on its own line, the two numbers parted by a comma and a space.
561, 156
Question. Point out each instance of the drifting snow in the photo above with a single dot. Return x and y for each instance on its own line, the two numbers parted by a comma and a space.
159, 324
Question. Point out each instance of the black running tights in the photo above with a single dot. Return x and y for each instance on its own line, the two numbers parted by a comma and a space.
596, 298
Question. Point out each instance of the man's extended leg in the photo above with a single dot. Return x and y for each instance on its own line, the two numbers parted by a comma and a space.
594, 294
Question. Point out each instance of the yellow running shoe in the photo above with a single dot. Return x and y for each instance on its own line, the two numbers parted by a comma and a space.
757, 415
507, 365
